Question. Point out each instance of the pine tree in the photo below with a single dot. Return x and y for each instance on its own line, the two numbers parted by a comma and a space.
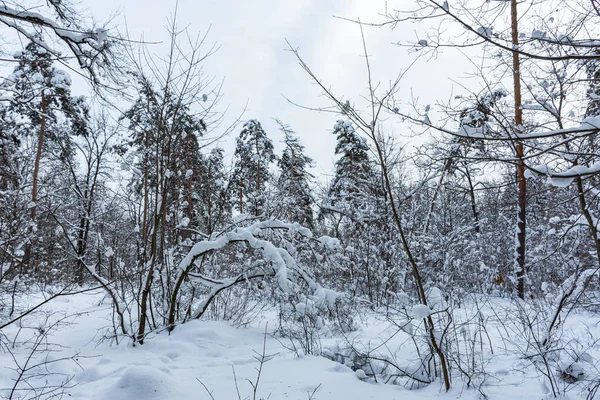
9, 150
357, 213
593, 88
14, 220
41, 102
352, 185
294, 198
36, 85
254, 154
185, 171
164, 137
213, 196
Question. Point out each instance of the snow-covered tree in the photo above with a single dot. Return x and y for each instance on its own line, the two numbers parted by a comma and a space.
356, 211
253, 157
351, 188
214, 199
44, 114
294, 199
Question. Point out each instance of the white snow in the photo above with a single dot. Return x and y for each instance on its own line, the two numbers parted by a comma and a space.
485, 31
101, 36
61, 79
529, 174
435, 298
109, 252
329, 242
202, 354
421, 311
560, 182
538, 34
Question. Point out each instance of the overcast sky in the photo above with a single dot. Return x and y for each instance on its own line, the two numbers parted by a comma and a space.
258, 70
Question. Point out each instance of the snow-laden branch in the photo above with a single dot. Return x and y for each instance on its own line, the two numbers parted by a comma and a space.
564, 178
88, 46
588, 126
572, 288
219, 285
284, 265
485, 34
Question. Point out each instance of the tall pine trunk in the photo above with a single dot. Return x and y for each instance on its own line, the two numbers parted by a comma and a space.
521, 182
36, 170
258, 205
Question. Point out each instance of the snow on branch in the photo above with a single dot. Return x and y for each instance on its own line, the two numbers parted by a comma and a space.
89, 46
283, 263
573, 49
572, 289
588, 126
564, 178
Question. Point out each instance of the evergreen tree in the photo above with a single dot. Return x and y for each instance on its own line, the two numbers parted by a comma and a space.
164, 137
41, 103
254, 154
352, 186
14, 220
36, 85
9, 151
294, 196
213, 196
357, 213
591, 145
185, 176
593, 88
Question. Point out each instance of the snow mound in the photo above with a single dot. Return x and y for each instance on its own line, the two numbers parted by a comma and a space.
142, 382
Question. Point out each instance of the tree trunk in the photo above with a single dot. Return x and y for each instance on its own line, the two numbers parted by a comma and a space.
36, 170
429, 323
521, 182
146, 200
433, 200
473, 200
258, 204
82, 237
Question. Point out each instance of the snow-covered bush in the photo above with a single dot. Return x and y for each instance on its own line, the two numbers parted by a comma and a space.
306, 319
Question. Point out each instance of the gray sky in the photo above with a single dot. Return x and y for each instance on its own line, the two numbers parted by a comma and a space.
257, 69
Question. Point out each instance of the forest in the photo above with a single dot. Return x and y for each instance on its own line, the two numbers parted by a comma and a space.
155, 244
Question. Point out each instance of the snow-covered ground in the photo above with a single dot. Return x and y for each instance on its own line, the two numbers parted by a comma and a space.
213, 360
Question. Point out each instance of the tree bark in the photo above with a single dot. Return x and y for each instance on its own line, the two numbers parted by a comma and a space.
473, 200
429, 324
521, 182
36, 170
258, 204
